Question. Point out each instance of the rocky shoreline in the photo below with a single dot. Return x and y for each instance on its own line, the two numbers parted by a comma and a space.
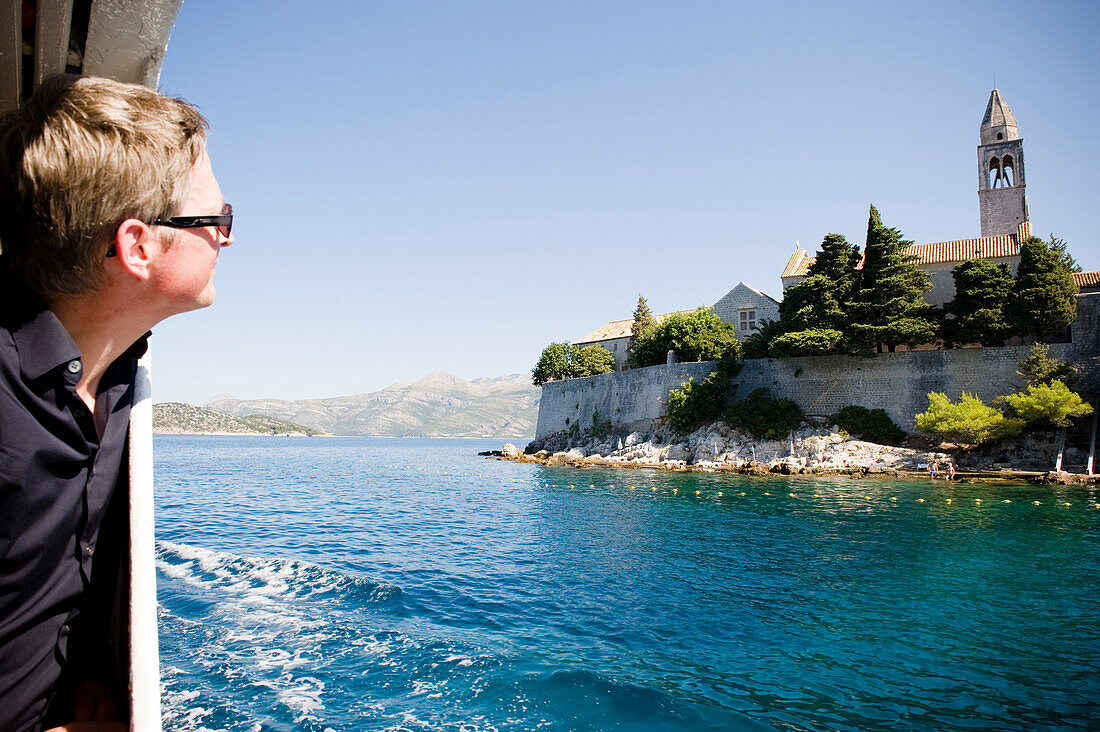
810, 451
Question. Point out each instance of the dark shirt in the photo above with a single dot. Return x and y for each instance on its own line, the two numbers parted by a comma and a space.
58, 473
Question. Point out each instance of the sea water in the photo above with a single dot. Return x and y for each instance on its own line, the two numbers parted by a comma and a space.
377, 584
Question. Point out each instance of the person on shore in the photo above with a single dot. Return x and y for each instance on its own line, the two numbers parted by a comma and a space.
950, 470
933, 470
111, 220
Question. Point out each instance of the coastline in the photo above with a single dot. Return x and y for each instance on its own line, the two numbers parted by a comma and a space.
809, 452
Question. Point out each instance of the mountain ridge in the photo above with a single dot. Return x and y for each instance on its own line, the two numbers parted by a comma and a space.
437, 405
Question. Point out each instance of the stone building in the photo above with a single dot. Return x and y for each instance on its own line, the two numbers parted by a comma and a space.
1002, 205
745, 308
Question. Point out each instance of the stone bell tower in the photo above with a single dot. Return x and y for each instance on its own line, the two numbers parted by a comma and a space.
1002, 197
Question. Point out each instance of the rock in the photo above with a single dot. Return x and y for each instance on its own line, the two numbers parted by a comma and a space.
510, 451
1059, 477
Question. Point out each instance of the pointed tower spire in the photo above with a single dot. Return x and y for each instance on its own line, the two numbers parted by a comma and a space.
1002, 196
998, 124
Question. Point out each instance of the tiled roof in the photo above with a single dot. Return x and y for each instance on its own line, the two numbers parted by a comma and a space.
987, 247
620, 328
614, 329
1086, 280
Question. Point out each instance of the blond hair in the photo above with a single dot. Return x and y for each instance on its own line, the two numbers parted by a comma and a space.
81, 156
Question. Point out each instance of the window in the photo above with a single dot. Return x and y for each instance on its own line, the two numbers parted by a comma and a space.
748, 320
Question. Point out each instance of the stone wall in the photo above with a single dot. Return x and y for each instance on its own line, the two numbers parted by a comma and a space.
821, 385
632, 399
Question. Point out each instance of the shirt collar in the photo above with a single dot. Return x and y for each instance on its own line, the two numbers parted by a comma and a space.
43, 344
40, 338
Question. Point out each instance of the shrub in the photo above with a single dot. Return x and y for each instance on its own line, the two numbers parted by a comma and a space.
873, 425
694, 403
969, 421
809, 342
762, 415
1048, 405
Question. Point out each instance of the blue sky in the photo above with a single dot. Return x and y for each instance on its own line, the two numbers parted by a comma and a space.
450, 186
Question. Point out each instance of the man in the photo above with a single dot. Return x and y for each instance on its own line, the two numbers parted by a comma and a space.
111, 220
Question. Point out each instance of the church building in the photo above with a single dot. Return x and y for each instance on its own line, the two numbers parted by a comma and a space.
1002, 205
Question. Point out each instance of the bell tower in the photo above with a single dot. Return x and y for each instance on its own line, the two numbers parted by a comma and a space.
1002, 197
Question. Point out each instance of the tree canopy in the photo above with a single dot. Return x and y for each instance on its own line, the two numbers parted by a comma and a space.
644, 323
699, 335
566, 361
968, 421
983, 290
1044, 298
887, 304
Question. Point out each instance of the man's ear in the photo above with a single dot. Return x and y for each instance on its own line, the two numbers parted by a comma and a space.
135, 247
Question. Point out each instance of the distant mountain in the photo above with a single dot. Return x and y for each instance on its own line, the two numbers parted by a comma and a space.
439, 405
173, 418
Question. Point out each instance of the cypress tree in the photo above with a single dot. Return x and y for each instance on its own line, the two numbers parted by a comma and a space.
837, 262
644, 324
819, 301
983, 290
1044, 298
887, 304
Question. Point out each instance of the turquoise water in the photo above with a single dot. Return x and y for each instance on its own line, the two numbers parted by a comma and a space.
371, 584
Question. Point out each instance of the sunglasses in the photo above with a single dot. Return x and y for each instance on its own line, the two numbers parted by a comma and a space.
224, 221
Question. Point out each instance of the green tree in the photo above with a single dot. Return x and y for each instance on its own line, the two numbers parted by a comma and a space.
758, 343
554, 364
808, 304
1059, 247
983, 290
1044, 298
699, 335
1040, 368
643, 325
1048, 405
567, 361
887, 305
591, 360
837, 262
969, 421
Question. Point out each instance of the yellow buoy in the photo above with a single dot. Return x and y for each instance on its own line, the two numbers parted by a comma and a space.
791, 495
893, 498
1037, 503
920, 500
1006, 501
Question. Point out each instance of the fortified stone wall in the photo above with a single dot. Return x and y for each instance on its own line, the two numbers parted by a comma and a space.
631, 399
821, 385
